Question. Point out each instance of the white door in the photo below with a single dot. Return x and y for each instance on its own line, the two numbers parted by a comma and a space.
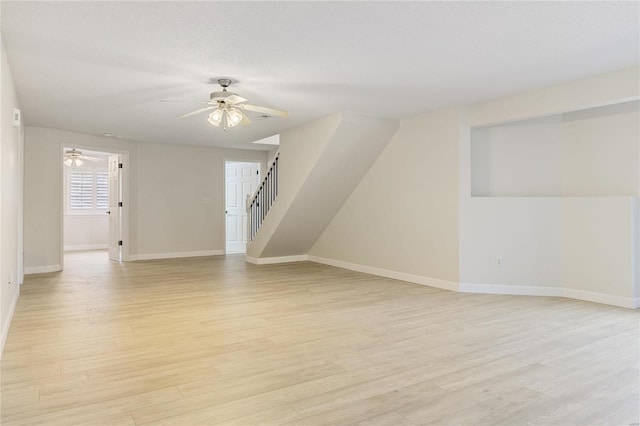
114, 208
241, 179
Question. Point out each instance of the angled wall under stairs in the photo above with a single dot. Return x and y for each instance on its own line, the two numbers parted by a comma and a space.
320, 164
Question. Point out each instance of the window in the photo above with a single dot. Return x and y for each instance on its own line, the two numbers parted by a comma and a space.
102, 190
87, 191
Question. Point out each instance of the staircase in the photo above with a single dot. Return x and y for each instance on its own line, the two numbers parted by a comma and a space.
258, 206
318, 166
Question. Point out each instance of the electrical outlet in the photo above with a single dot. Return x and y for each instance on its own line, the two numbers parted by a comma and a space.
499, 261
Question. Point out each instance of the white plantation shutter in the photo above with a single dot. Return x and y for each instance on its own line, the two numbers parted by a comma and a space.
102, 190
80, 190
87, 191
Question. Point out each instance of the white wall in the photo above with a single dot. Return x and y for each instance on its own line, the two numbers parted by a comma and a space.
579, 241
10, 208
592, 152
175, 197
403, 216
271, 154
526, 232
517, 159
86, 232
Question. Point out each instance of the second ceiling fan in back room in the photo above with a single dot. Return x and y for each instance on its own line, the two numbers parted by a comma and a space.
227, 109
74, 158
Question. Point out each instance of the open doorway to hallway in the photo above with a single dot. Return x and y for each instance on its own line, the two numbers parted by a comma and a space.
91, 202
241, 181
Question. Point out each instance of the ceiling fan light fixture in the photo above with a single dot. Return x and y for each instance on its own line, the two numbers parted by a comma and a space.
226, 116
234, 117
215, 117
73, 162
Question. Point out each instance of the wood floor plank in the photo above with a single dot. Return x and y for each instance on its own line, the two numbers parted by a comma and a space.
391, 419
215, 340
277, 415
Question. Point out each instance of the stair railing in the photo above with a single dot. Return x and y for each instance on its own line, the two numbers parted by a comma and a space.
258, 206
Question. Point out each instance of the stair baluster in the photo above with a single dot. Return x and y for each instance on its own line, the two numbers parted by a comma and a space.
258, 206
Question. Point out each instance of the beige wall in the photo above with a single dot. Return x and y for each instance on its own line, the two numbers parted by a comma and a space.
10, 206
579, 241
604, 89
174, 198
598, 245
403, 216
181, 197
300, 148
347, 154
601, 151
43, 191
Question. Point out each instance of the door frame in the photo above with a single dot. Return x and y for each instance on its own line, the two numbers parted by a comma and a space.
124, 184
225, 160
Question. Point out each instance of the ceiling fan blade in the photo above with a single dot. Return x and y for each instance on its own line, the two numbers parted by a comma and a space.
245, 119
198, 111
235, 99
265, 110
181, 101
84, 157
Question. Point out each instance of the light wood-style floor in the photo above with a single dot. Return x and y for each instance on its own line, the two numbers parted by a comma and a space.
214, 340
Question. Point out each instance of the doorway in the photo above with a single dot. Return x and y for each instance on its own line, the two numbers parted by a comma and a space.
241, 181
92, 202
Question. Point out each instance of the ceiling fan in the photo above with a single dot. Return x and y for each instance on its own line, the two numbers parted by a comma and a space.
228, 109
73, 158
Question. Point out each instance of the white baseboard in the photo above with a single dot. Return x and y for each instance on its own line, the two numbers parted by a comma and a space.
151, 256
86, 247
511, 289
273, 260
569, 293
607, 299
5, 329
625, 302
42, 269
416, 279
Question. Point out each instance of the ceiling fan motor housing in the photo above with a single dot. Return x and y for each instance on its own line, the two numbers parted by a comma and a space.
224, 82
220, 96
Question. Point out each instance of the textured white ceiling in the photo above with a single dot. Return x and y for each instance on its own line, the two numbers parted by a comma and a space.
99, 67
